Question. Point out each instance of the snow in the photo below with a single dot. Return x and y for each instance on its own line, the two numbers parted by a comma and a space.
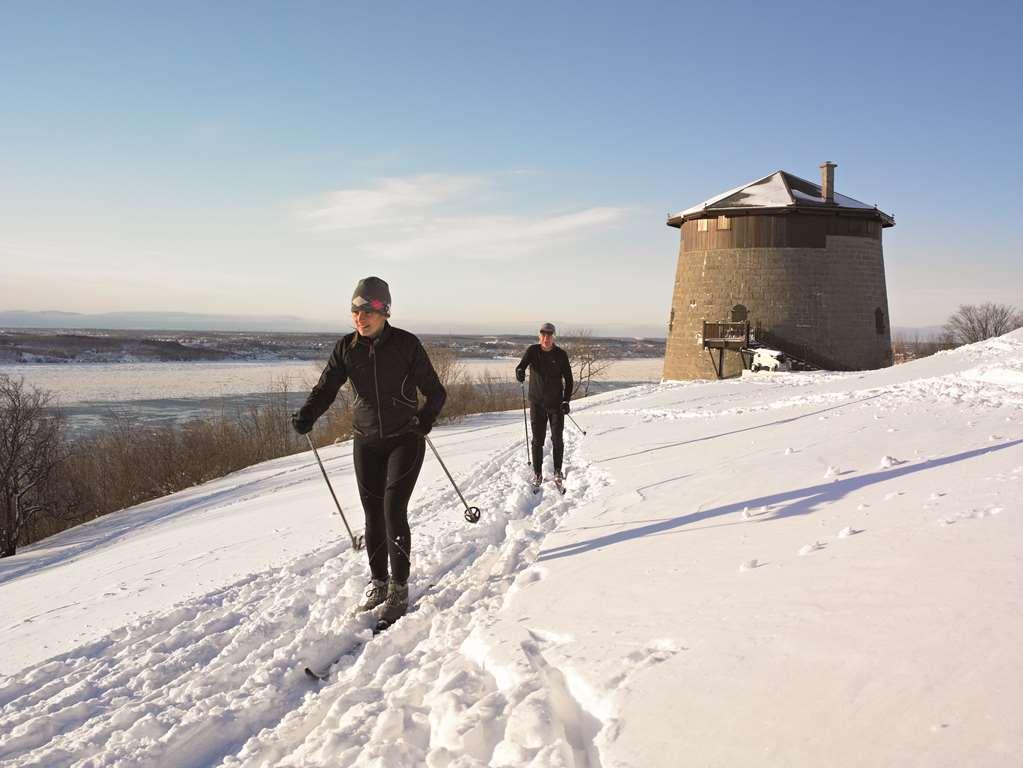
840, 200
798, 569
771, 192
768, 192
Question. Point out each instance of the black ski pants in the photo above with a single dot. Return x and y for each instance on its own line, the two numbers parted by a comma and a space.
539, 418
386, 471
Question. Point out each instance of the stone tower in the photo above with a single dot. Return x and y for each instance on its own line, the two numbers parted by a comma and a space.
802, 263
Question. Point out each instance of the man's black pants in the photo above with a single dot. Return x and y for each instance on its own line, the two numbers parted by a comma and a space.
539, 417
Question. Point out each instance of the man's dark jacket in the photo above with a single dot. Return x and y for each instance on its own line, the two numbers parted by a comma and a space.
546, 372
385, 373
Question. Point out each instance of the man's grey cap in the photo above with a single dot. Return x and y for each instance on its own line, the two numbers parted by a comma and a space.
547, 328
372, 294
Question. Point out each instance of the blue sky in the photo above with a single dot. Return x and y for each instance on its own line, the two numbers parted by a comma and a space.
498, 164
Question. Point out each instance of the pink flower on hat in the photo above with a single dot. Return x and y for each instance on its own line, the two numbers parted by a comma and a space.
377, 304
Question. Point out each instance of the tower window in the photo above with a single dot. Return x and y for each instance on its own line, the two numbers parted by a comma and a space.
703, 225
879, 321
739, 314
724, 222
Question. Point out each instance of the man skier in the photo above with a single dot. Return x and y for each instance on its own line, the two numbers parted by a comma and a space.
548, 397
385, 366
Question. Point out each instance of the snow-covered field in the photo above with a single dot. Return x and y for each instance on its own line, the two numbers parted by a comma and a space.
782, 570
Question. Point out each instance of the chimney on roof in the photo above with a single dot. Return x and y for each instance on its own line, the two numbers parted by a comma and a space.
828, 181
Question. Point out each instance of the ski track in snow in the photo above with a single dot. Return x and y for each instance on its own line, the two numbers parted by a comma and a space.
218, 679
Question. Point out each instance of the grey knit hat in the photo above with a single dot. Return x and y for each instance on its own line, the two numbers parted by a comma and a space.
373, 295
547, 328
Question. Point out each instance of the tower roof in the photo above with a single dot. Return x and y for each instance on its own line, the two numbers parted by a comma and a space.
780, 191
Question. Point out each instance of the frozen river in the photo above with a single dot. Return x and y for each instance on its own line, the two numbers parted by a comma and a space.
90, 392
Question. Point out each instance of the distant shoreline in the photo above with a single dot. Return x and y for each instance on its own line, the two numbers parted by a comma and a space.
54, 347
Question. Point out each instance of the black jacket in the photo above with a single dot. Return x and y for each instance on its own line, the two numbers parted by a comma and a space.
546, 371
385, 373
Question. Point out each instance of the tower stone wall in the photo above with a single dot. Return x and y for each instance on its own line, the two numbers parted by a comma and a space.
829, 302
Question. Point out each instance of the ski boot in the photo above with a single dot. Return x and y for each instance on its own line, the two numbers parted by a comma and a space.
376, 594
395, 605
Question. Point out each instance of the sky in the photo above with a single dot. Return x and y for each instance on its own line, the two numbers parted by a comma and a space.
498, 165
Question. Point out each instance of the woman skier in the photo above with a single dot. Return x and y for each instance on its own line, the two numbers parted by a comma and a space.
385, 366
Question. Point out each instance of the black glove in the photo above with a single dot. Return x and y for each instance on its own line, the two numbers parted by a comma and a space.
520, 375
565, 407
424, 422
300, 425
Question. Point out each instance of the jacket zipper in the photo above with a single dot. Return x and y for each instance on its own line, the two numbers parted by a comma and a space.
376, 386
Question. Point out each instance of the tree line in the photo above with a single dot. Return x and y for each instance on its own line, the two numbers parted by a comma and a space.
970, 323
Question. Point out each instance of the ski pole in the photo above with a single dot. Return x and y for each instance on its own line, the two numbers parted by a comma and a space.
472, 514
576, 424
525, 425
357, 541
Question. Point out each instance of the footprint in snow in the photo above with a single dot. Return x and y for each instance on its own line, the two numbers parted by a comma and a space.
749, 565
807, 549
890, 461
654, 652
848, 531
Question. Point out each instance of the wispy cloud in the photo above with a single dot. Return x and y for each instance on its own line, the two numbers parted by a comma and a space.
387, 201
412, 218
492, 237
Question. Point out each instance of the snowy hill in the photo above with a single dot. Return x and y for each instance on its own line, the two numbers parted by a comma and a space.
783, 570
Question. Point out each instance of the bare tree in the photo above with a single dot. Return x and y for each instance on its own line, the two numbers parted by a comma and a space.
31, 446
972, 322
588, 357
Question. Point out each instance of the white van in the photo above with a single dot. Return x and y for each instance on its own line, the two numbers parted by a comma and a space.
770, 360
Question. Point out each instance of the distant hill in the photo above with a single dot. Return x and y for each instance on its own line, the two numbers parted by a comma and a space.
178, 321
188, 321
923, 332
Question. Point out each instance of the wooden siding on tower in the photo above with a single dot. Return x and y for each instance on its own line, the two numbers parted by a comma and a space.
785, 230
